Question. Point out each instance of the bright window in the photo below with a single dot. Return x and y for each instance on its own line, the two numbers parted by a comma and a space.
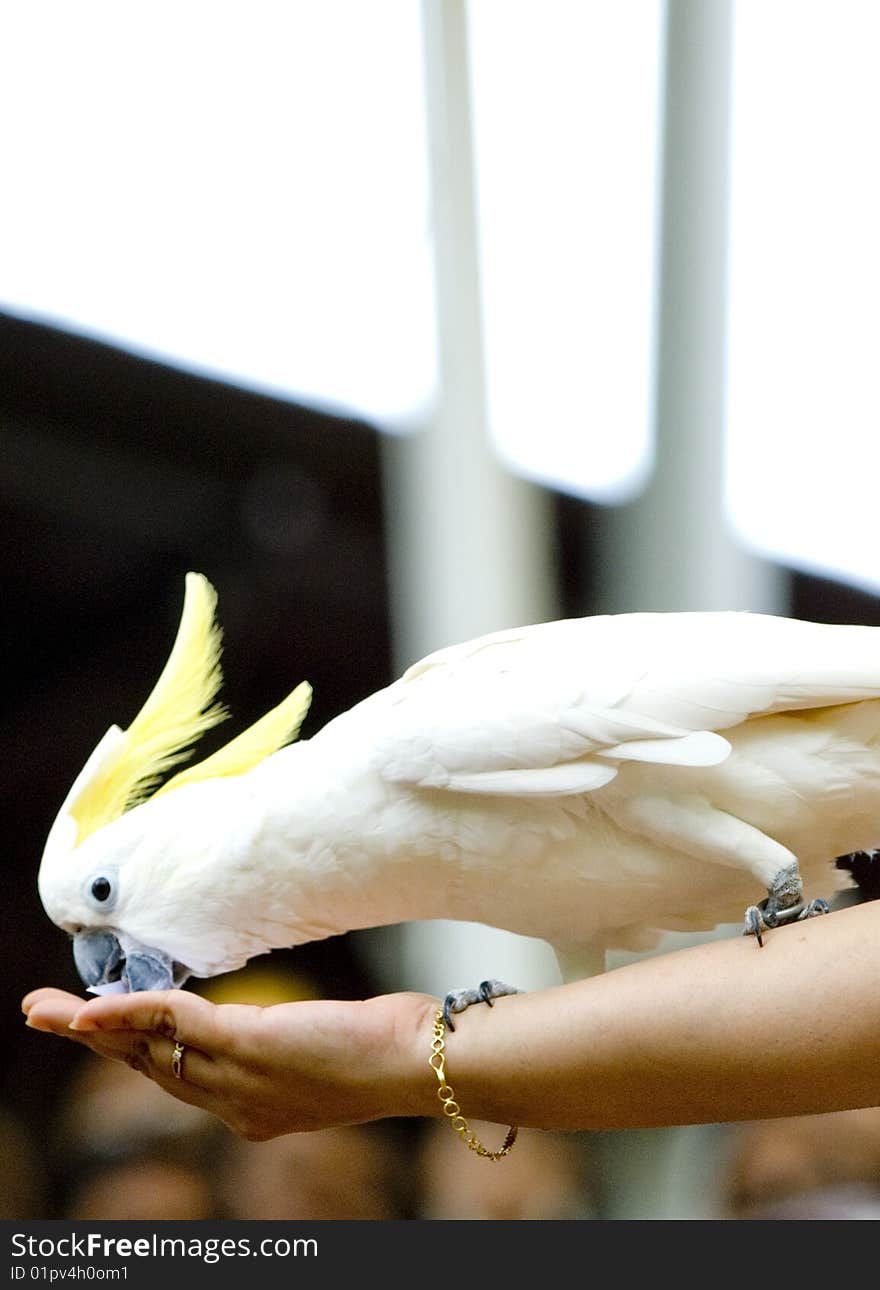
243, 191
565, 97
803, 388
240, 189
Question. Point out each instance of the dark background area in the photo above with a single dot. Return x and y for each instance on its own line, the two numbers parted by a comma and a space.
118, 475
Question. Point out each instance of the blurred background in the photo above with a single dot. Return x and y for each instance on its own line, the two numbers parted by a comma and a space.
402, 322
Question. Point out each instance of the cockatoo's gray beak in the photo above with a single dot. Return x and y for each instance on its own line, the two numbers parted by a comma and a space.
110, 962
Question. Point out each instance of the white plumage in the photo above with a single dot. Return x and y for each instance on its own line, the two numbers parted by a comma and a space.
591, 782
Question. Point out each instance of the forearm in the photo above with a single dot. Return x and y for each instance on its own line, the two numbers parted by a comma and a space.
721, 1031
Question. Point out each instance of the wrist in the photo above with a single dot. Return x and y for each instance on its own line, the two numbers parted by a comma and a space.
446, 1096
402, 1076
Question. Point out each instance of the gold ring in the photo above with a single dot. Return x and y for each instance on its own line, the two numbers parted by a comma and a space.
177, 1061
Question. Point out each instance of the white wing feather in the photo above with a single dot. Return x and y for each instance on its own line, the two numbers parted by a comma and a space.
554, 708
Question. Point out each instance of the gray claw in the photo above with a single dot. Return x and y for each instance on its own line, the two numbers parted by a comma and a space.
754, 923
817, 906
458, 1000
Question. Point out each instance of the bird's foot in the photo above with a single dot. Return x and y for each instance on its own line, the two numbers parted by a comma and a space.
784, 904
817, 906
754, 924
458, 1000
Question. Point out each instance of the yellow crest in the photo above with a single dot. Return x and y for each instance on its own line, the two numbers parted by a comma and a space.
178, 711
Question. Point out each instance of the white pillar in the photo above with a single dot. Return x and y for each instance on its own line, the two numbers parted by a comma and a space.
470, 545
674, 548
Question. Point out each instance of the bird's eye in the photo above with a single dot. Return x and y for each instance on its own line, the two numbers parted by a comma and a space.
101, 889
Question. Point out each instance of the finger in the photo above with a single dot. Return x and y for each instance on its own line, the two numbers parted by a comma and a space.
197, 1079
179, 1015
143, 1033
176, 1014
48, 994
152, 1056
178, 1068
147, 1026
50, 1010
52, 1013
148, 1053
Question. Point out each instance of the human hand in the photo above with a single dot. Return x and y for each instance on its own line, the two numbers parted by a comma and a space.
262, 1071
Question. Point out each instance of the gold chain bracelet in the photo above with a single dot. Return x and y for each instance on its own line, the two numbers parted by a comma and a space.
451, 1109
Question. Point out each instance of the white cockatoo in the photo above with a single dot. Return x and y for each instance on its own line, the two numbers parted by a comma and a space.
590, 782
